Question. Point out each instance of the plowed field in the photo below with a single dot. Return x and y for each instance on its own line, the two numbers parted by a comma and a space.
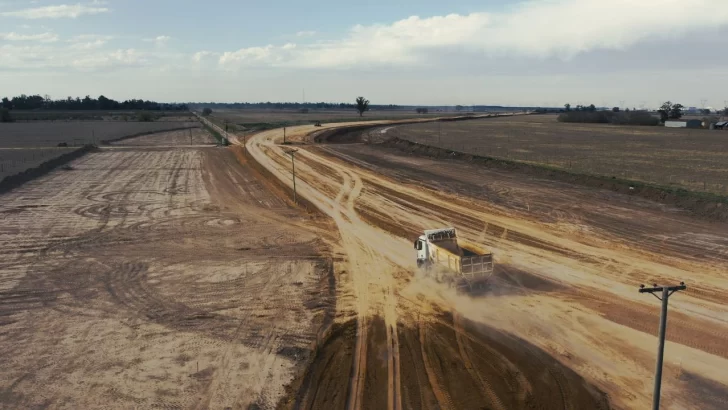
151, 277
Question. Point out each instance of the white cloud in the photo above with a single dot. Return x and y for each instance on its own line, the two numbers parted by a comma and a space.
54, 12
160, 41
251, 56
89, 41
201, 55
41, 37
89, 45
538, 29
118, 58
305, 33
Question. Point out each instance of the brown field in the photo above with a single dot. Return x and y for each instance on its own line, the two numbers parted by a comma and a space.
77, 133
161, 274
152, 277
96, 115
692, 159
190, 136
251, 119
14, 160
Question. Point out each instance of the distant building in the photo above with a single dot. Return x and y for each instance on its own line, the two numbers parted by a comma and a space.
684, 124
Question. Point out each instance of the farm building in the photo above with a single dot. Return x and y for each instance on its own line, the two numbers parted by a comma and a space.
723, 125
684, 124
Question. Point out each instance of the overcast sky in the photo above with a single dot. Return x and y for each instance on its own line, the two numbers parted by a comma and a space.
493, 52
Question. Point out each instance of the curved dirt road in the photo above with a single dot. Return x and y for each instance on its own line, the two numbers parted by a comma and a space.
562, 306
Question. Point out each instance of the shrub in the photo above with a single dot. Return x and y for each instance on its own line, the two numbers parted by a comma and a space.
635, 118
610, 117
145, 117
599, 117
206, 111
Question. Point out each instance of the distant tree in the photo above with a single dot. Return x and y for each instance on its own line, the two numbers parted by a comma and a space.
591, 108
665, 111
458, 108
705, 111
7, 104
626, 109
206, 111
567, 107
362, 104
615, 109
725, 111
5, 115
676, 112
421, 110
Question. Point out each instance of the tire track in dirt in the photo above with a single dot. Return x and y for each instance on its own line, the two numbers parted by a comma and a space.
380, 257
495, 401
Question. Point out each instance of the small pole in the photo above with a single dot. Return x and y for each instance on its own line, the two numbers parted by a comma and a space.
190, 136
284, 135
666, 292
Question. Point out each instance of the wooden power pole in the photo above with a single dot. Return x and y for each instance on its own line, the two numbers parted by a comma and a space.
666, 292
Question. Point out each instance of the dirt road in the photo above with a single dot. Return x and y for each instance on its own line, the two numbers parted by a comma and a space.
562, 325
150, 276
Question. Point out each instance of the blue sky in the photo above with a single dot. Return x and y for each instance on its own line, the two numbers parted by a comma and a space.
544, 52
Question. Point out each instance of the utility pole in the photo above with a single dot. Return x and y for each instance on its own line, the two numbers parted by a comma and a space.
666, 291
292, 153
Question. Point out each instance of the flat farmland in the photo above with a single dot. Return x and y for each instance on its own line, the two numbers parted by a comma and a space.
190, 136
153, 276
15, 160
244, 118
77, 133
691, 159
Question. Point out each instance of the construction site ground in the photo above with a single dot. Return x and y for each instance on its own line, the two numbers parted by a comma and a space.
182, 276
156, 277
561, 324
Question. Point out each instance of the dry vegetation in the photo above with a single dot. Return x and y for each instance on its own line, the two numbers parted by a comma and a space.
690, 159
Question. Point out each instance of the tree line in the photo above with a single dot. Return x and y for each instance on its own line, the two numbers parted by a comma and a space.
37, 102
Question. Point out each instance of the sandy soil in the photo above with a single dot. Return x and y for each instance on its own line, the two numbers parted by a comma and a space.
152, 277
562, 324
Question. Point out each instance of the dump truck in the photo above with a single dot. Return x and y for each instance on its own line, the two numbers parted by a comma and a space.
450, 260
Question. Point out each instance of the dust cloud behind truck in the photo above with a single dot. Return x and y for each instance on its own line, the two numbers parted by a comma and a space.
452, 261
